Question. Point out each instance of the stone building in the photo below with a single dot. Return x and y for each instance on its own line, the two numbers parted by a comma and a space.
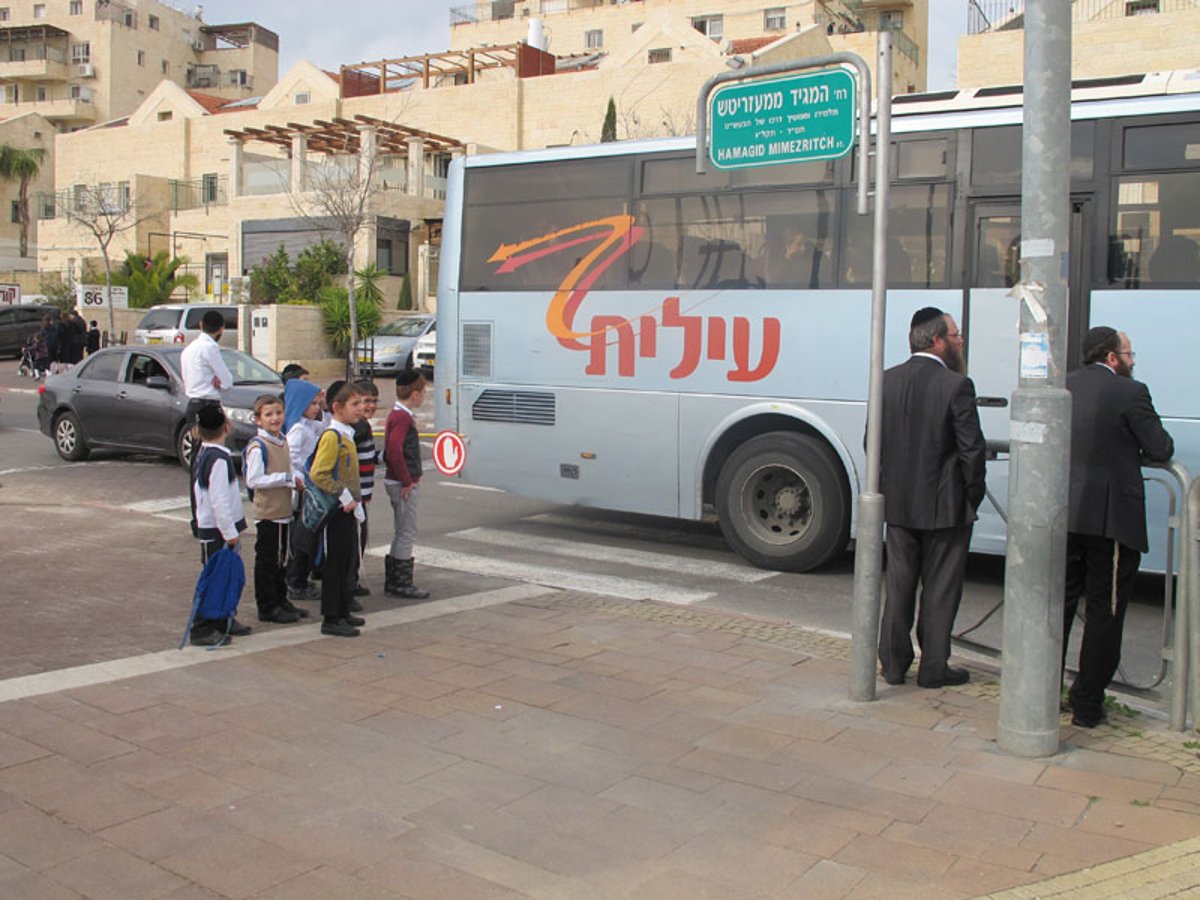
66, 65
1108, 38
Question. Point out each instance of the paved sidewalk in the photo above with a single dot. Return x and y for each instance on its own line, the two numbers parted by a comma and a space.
535, 743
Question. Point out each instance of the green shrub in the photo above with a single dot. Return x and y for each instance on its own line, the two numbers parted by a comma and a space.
335, 309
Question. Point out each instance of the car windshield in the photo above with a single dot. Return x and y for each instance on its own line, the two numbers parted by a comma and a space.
248, 370
406, 327
159, 318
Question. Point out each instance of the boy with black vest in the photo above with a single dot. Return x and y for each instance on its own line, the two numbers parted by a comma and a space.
217, 518
270, 479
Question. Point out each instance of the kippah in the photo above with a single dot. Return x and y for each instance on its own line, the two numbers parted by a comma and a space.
405, 377
210, 418
923, 315
1096, 338
334, 388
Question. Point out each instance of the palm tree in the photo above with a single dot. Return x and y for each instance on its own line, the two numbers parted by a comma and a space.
152, 280
22, 166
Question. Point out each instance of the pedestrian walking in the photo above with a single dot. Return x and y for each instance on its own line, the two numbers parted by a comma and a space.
1113, 426
932, 478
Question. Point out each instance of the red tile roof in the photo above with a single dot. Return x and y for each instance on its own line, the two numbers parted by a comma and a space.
749, 45
213, 105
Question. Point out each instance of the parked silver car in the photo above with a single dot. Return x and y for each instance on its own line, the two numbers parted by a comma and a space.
179, 323
390, 349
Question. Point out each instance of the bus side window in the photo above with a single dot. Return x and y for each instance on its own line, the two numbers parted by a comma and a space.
1155, 236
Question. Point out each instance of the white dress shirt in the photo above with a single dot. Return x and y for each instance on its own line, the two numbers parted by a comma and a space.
220, 505
200, 361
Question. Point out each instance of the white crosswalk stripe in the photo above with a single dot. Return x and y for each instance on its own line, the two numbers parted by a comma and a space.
605, 585
159, 505
668, 562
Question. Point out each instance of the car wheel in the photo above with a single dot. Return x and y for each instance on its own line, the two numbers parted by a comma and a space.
783, 502
184, 441
68, 437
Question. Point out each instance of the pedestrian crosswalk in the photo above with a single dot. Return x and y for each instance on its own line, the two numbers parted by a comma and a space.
572, 551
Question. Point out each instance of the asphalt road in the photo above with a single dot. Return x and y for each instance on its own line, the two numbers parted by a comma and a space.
99, 563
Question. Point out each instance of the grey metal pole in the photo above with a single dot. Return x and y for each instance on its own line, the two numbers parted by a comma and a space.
1041, 409
868, 552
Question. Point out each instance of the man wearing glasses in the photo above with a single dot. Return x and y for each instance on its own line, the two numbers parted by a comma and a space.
932, 478
1113, 426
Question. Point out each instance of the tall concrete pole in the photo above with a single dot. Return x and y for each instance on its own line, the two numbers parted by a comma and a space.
1041, 409
868, 545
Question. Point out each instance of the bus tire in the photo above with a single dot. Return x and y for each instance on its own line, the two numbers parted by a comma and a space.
783, 502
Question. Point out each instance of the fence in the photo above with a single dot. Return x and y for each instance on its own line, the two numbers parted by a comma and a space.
1002, 15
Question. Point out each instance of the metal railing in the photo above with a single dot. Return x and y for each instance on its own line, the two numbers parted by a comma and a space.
1180, 651
199, 193
1003, 15
848, 18
497, 10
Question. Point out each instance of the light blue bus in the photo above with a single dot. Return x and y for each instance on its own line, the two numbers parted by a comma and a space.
617, 331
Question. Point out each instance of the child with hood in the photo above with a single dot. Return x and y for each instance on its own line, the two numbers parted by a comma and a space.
303, 407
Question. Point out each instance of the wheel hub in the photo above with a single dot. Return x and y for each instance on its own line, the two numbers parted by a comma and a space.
789, 502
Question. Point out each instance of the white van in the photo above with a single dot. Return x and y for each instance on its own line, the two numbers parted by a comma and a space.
178, 323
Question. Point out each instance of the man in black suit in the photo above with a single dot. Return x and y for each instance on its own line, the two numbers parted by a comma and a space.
1113, 426
932, 478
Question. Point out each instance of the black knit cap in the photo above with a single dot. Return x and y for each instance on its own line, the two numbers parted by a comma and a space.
923, 315
405, 377
210, 418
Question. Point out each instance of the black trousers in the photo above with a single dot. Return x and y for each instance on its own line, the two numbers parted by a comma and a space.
341, 564
936, 559
270, 560
1106, 591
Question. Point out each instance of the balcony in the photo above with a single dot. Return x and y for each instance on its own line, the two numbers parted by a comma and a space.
1009, 15
199, 193
35, 70
60, 108
497, 10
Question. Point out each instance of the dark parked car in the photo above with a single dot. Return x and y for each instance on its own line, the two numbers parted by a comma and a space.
19, 323
131, 398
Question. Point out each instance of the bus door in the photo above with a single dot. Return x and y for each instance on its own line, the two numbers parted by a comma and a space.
991, 322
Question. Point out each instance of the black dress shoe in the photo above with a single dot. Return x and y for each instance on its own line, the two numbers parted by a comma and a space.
237, 629
291, 607
1088, 721
361, 590
950, 676
338, 628
209, 639
893, 679
356, 621
280, 615
355, 606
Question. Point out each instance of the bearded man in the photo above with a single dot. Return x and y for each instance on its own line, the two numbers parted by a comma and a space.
932, 479
1113, 427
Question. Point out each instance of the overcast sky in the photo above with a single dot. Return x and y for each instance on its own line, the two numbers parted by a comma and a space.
331, 34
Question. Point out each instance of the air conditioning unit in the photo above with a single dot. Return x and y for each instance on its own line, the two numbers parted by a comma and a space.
85, 70
83, 94
197, 45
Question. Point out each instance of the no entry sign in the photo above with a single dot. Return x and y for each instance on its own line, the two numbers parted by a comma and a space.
449, 453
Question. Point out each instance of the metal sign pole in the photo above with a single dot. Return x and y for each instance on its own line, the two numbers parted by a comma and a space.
1041, 409
868, 545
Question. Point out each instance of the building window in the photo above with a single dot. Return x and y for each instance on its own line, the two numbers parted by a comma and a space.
210, 188
81, 53
3, 13
659, 55
775, 18
39, 10
141, 57
383, 255
130, 19
239, 77
1141, 7
303, 98
593, 38
891, 21
76, 7
709, 25
166, 116
41, 94
634, 27
16, 54
16, 211
166, 67
154, 23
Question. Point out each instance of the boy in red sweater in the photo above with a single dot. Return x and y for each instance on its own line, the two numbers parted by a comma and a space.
402, 458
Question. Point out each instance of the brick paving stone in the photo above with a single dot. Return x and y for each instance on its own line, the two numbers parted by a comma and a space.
1055, 807
994, 764
15, 750
39, 841
1154, 826
1121, 766
740, 863
746, 740
1080, 848
110, 873
657, 796
910, 778
1110, 787
826, 880
966, 875
80, 743
851, 795
529, 691
814, 759
680, 884
101, 803
480, 783
887, 857
328, 882
759, 773
20, 882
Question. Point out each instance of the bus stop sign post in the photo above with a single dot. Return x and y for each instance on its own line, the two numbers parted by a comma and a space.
830, 100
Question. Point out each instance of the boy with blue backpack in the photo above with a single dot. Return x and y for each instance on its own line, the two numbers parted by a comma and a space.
269, 481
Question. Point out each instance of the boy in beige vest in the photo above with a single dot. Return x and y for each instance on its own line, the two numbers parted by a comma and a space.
269, 479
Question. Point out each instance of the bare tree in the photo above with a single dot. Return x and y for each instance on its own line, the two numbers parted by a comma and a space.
103, 211
337, 196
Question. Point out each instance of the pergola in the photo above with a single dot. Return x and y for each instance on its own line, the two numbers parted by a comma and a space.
461, 66
341, 136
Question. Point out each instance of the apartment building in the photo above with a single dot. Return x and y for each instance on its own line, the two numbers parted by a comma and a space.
1108, 38
225, 182
69, 64
590, 26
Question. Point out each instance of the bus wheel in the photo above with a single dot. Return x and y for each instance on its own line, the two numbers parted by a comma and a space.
783, 502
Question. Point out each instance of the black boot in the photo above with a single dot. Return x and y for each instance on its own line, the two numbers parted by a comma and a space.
391, 581
404, 581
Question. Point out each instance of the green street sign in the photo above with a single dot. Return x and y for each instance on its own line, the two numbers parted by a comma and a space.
795, 118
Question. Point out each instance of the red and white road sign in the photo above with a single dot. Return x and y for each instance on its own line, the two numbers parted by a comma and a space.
449, 453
